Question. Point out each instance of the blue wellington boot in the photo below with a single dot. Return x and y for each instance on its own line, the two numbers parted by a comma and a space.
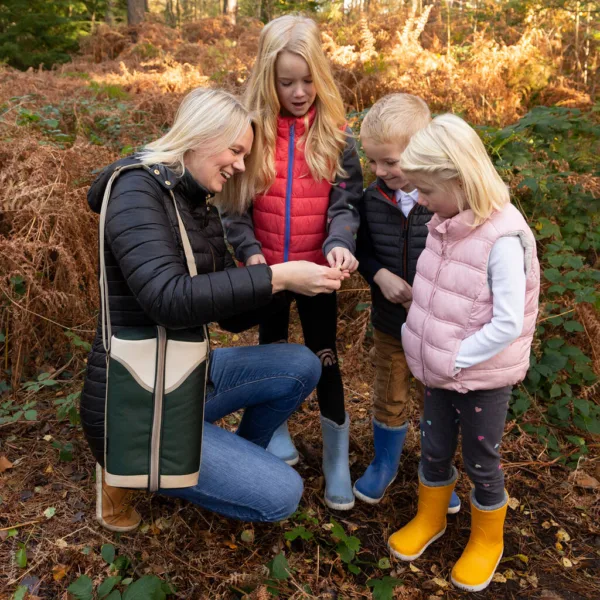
382, 471
454, 505
282, 447
336, 468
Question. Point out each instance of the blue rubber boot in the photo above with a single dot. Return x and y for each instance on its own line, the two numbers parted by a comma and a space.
388, 443
336, 468
454, 505
282, 447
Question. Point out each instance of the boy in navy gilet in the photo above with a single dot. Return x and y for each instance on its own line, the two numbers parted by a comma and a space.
391, 238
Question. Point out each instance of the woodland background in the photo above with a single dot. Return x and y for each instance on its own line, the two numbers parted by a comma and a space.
84, 82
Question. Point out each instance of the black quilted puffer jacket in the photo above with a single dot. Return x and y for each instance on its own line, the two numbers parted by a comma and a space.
148, 280
388, 239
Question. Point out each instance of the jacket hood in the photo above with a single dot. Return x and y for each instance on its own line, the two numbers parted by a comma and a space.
96, 191
167, 178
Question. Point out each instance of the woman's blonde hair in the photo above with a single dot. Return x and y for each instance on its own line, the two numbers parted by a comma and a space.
325, 139
448, 149
208, 120
395, 118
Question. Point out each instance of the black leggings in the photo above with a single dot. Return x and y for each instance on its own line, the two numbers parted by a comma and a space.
318, 316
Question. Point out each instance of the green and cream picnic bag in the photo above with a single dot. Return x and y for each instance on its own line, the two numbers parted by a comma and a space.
155, 389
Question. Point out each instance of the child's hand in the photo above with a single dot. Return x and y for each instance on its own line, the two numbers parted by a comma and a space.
342, 258
394, 288
256, 259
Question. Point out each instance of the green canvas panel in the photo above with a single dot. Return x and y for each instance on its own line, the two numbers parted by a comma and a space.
128, 423
136, 333
183, 414
186, 335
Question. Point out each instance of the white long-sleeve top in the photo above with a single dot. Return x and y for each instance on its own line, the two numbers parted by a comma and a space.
507, 279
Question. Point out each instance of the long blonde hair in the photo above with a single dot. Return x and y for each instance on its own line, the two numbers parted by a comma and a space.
448, 149
208, 119
325, 139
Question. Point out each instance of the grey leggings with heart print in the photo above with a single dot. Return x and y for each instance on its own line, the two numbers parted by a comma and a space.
480, 415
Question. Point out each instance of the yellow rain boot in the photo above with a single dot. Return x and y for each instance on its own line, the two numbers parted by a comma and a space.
113, 510
477, 564
430, 523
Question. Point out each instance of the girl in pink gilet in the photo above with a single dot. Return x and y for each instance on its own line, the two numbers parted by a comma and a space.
467, 337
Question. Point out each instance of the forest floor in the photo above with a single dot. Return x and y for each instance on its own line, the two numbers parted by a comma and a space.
552, 540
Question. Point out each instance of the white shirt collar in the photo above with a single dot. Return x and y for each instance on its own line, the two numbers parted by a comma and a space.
414, 195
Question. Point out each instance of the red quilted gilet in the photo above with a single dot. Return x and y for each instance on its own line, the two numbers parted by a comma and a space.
290, 218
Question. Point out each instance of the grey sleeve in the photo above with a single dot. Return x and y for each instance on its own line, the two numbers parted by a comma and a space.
342, 216
239, 231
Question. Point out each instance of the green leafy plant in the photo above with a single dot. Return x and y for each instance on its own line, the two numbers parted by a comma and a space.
346, 546
77, 342
43, 380
539, 156
299, 532
65, 451
113, 92
279, 571
20, 592
21, 555
383, 589
11, 412
67, 408
119, 586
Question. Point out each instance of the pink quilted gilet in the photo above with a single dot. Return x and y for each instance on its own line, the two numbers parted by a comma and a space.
452, 300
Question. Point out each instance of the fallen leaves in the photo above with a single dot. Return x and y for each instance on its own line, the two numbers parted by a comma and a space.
247, 536
581, 479
5, 464
523, 558
59, 572
440, 582
550, 595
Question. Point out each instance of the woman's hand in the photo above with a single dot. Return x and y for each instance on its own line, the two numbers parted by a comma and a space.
394, 288
309, 279
256, 259
343, 259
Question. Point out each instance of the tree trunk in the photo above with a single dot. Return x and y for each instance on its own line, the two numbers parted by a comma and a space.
109, 16
230, 10
135, 11
169, 14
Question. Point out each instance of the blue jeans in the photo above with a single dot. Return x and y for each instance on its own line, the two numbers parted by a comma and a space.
238, 477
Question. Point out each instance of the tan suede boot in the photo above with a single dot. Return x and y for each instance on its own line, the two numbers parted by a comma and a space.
112, 508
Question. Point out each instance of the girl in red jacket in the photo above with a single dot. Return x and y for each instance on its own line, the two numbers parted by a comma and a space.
303, 207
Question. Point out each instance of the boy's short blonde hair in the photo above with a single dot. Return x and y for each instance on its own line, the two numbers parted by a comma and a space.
395, 119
